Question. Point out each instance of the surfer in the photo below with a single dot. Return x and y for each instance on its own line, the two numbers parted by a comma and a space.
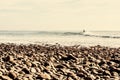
83, 31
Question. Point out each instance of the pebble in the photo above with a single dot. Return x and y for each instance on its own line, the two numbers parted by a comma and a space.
94, 71
38, 69
28, 64
56, 62
73, 75
45, 76
5, 78
24, 78
115, 74
26, 70
9, 58
92, 77
33, 70
106, 73
12, 75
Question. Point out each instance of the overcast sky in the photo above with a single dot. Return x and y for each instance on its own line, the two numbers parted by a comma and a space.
59, 15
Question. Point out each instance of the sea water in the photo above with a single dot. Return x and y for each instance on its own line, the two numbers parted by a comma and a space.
89, 38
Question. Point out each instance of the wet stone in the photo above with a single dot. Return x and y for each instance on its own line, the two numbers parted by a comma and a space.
12, 75
106, 73
9, 58
33, 70
57, 62
26, 70
68, 57
28, 64
44, 76
5, 78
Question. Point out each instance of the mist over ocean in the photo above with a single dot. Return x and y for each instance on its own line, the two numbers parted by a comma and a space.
88, 38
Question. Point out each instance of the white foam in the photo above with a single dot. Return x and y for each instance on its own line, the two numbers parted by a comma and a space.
63, 40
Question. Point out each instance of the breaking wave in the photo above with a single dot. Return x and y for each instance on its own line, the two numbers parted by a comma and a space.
36, 33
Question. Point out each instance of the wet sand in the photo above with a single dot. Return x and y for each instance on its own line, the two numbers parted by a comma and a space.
56, 62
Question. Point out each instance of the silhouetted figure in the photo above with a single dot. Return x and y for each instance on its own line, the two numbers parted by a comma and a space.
83, 30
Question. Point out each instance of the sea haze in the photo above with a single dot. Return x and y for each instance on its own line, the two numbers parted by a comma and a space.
88, 38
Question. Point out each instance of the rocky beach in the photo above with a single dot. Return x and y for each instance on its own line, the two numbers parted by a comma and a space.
56, 62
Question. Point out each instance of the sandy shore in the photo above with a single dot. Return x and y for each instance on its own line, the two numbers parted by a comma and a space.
56, 62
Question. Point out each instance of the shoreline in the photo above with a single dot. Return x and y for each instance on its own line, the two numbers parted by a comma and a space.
58, 62
60, 44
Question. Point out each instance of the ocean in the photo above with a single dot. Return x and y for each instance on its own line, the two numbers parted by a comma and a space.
88, 38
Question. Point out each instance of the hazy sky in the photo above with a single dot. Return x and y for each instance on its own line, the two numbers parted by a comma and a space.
59, 14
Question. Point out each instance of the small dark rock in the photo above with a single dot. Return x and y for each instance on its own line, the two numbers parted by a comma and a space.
12, 75
106, 73
26, 70
68, 57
